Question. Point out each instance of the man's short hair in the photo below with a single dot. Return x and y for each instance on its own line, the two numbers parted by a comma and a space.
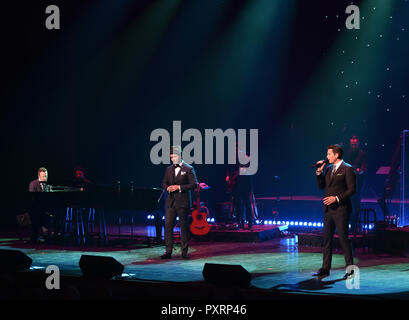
42, 169
336, 148
176, 150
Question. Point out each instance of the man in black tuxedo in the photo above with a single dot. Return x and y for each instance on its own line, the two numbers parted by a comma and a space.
39, 184
179, 182
36, 215
339, 181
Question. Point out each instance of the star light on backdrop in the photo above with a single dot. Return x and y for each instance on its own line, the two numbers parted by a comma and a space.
358, 88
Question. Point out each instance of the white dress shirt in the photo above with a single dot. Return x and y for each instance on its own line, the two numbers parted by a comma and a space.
336, 166
177, 171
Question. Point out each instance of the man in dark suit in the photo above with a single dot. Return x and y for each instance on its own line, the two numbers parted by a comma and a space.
339, 182
36, 215
179, 182
39, 184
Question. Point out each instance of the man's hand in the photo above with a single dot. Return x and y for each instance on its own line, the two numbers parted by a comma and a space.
173, 188
329, 200
319, 170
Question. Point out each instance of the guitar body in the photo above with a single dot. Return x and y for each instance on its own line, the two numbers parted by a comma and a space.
199, 225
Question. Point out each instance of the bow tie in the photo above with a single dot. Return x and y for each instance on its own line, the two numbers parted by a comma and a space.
176, 166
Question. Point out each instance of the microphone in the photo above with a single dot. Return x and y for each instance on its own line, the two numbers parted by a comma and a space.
319, 164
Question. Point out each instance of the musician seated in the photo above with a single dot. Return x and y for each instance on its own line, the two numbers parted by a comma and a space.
38, 218
79, 178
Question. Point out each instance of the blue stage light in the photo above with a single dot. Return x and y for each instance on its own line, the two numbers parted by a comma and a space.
292, 223
296, 223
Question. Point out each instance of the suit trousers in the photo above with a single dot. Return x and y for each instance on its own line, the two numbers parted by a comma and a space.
171, 213
339, 219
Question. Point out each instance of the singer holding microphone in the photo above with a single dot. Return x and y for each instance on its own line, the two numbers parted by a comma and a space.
179, 182
339, 181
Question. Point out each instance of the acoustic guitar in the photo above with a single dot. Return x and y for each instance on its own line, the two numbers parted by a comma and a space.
199, 226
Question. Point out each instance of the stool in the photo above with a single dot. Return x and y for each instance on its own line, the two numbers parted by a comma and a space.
364, 219
367, 216
73, 217
102, 229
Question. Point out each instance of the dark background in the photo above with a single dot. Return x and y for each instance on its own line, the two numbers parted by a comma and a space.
90, 94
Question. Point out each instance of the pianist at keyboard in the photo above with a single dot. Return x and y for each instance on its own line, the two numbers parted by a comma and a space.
38, 218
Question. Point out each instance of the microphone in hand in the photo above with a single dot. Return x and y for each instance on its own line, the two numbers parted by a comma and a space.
320, 163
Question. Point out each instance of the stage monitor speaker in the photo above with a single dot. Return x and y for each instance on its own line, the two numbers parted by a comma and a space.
14, 260
100, 267
226, 275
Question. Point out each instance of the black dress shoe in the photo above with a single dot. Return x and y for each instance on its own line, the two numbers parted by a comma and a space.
166, 256
321, 273
349, 275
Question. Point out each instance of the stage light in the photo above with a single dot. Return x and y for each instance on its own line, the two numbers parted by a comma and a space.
296, 223
292, 223
314, 224
270, 222
309, 224
305, 223
212, 219
274, 222
36, 268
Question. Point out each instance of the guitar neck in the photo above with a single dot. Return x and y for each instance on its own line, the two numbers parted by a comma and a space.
198, 199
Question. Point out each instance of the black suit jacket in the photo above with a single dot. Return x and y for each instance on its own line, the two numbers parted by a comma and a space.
35, 186
342, 185
187, 180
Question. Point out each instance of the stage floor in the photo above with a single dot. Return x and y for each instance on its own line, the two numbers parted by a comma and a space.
276, 265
